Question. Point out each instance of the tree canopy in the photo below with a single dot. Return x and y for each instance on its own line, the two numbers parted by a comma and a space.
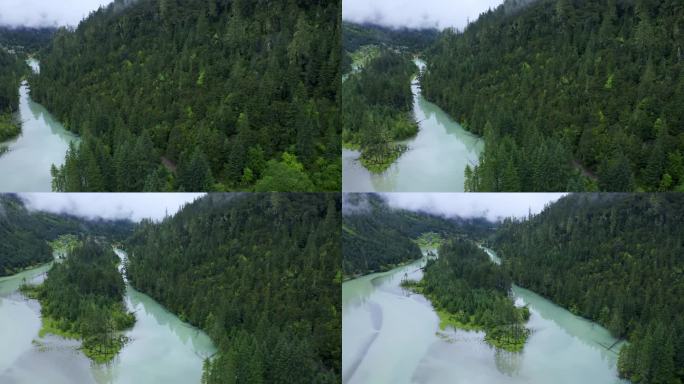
569, 95
470, 291
82, 297
616, 259
377, 106
355, 36
25, 234
377, 237
196, 95
260, 273
11, 71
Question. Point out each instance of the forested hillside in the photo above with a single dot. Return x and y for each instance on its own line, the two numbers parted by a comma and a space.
377, 108
260, 273
11, 70
569, 95
25, 234
26, 40
376, 237
82, 298
354, 36
614, 258
471, 292
198, 95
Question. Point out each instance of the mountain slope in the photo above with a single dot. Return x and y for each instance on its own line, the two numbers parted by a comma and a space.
260, 273
26, 39
24, 234
356, 35
569, 95
377, 237
614, 258
198, 95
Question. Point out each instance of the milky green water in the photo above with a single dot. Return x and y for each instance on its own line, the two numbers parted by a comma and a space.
435, 161
25, 167
391, 336
162, 349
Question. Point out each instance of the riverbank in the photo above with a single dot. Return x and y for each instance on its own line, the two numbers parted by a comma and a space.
9, 129
377, 114
161, 348
390, 336
509, 338
384, 268
82, 298
27, 158
14, 272
435, 159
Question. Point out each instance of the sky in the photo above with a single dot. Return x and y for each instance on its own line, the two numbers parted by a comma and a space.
46, 13
494, 206
416, 13
134, 206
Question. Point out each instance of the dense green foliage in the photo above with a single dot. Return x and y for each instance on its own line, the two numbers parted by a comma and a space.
355, 36
25, 234
376, 237
197, 95
569, 95
260, 273
11, 71
377, 108
473, 291
26, 40
83, 297
617, 259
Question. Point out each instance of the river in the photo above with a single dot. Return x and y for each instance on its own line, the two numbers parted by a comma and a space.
392, 336
162, 348
43, 141
435, 160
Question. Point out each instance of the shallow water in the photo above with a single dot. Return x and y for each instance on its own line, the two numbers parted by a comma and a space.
435, 161
162, 348
390, 336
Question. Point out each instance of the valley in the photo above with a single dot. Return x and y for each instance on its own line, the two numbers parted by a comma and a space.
439, 318
107, 300
43, 142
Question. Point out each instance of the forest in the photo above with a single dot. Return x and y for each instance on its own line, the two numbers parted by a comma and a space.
10, 77
82, 298
260, 273
355, 36
25, 40
25, 234
198, 95
377, 237
615, 259
377, 108
471, 292
569, 95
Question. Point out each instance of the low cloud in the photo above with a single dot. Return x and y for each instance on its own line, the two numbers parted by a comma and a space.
438, 14
46, 13
492, 206
132, 206
355, 203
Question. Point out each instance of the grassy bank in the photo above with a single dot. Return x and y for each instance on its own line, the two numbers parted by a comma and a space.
99, 342
509, 337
